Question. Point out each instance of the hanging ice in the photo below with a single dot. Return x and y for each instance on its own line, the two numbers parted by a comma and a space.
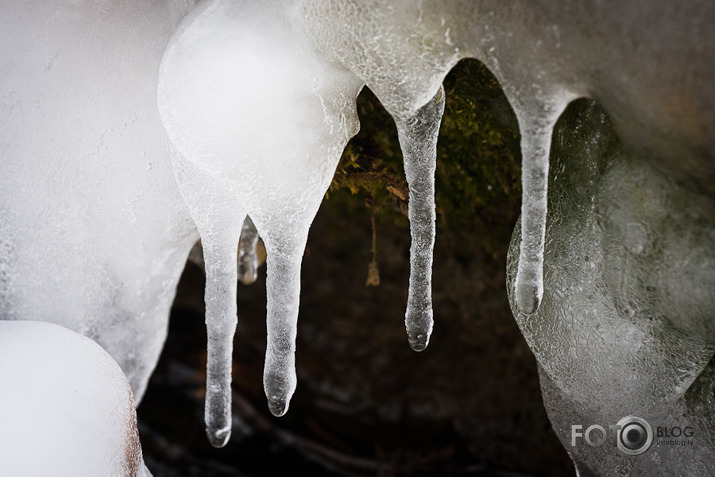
229, 163
418, 140
626, 324
536, 123
248, 261
67, 408
540, 64
404, 73
259, 123
258, 100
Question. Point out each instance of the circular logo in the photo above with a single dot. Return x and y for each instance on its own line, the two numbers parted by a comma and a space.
634, 435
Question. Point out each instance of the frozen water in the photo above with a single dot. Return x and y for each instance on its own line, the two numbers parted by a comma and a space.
406, 77
403, 73
247, 256
650, 65
258, 100
67, 408
544, 55
93, 231
248, 259
259, 123
536, 127
228, 163
418, 140
624, 329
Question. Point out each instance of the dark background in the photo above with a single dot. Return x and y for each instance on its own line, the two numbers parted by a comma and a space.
366, 404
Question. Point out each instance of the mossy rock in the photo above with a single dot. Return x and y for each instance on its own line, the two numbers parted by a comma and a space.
478, 163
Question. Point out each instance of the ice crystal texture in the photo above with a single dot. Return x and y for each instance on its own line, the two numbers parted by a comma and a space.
626, 324
102, 193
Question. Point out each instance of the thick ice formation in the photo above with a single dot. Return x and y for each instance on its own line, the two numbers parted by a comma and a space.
217, 108
404, 49
259, 124
93, 231
544, 55
67, 408
540, 53
626, 325
258, 99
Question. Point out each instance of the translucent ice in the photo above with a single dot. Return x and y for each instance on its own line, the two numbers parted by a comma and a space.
237, 66
247, 256
217, 109
248, 260
626, 324
544, 55
258, 99
259, 123
418, 140
67, 408
403, 73
536, 127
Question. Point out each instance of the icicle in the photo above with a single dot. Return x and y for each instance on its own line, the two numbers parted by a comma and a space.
247, 259
220, 255
248, 262
285, 252
536, 125
218, 218
418, 140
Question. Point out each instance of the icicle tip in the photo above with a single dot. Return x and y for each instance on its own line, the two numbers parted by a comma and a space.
219, 437
247, 270
418, 341
418, 323
528, 297
278, 406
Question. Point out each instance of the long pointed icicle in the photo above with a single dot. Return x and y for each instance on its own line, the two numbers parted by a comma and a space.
283, 289
418, 140
220, 296
247, 259
536, 127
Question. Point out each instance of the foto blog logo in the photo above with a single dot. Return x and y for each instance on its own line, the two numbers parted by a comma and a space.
632, 435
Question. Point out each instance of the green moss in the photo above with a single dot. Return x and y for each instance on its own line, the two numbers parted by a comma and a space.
478, 160
478, 171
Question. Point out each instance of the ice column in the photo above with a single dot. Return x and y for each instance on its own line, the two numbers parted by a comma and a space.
247, 258
219, 219
258, 123
625, 327
536, 124
220, 297
285, 253
418, 140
